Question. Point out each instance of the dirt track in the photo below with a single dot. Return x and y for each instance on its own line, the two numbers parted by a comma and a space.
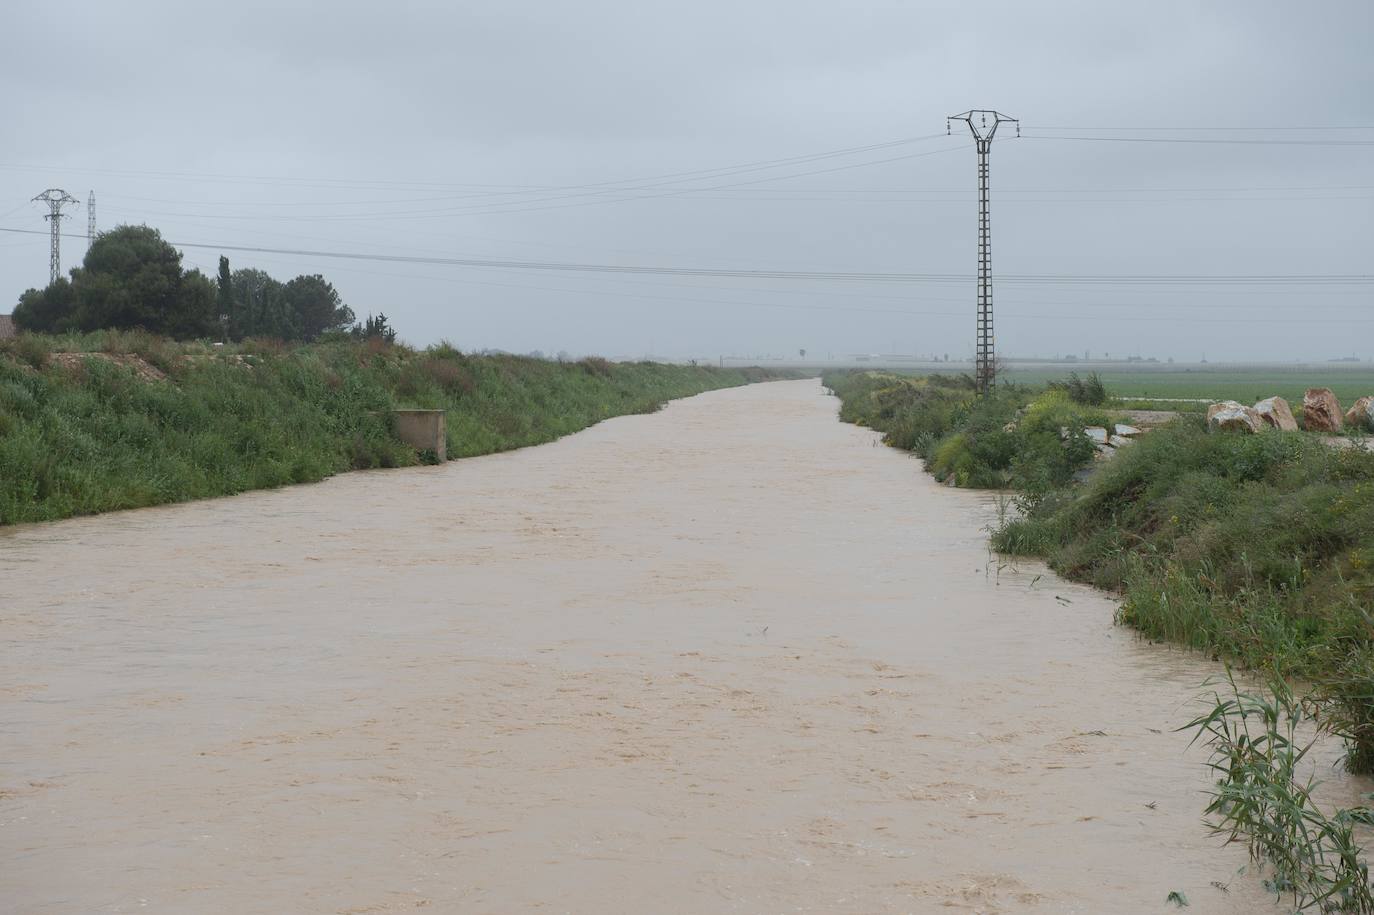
731, 657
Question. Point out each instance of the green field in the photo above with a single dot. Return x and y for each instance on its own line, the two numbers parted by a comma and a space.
1246, 385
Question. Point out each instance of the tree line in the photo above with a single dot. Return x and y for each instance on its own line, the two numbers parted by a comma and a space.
132, 279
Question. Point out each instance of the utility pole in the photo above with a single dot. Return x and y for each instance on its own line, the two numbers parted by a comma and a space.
90, 220
985, 354
56, 199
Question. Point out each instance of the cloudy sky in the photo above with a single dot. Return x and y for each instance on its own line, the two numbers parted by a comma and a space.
761, 136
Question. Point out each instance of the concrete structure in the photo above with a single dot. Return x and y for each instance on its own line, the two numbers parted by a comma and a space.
423, 430
7, 328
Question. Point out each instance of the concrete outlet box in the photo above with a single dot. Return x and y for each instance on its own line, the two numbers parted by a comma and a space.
423, 430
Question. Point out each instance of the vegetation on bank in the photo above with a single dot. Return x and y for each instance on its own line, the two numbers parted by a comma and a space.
1013, 438
1255, 549
153, 421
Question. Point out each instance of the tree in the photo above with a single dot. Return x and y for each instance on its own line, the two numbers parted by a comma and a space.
377, 327
317, 306
259, 307
224, 300
47, 311
130, 278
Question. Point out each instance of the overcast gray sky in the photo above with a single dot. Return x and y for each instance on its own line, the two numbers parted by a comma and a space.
545, 131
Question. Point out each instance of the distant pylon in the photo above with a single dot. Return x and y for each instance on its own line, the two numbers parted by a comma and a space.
985, 355
90, 220
56, 199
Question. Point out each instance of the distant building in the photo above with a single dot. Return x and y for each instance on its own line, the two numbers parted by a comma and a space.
7, 328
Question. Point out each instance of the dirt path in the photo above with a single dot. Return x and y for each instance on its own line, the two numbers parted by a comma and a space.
731, 657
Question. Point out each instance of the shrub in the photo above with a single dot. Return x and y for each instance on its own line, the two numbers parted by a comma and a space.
1088, 391
31, 349
597, 366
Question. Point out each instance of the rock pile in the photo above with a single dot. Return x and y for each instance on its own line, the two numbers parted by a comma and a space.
1106, 442
1321, 412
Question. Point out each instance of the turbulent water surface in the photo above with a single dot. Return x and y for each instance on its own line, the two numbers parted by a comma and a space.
731, 657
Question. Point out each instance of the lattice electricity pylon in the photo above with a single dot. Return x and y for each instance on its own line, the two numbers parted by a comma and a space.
985, 353
56, 199
90, 220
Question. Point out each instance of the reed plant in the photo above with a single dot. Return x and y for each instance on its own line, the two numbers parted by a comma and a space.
1264, 797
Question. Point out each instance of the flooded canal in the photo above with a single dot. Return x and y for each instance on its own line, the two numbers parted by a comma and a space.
731, 657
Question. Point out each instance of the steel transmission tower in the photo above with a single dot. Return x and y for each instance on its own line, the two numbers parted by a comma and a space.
985, 354
56, 199
90, 220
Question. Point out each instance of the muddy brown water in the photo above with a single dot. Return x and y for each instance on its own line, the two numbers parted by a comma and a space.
731, 657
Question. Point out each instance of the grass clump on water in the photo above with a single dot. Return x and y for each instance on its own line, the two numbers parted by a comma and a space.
87, 434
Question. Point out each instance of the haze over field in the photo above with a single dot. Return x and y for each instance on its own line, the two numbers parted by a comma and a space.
551, 132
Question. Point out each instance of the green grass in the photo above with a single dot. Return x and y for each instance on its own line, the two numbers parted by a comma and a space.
96, 437
1244, 385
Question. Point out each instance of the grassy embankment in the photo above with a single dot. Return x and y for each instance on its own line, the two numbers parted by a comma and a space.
1255, 549
79, 436
1011, 439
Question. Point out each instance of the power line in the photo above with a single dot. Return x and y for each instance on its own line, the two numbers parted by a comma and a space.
735, 303
849, 294
521, 206
779, 192
809, 275
378, 184
787, 196
1234, 142
1206, 128
601, 193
